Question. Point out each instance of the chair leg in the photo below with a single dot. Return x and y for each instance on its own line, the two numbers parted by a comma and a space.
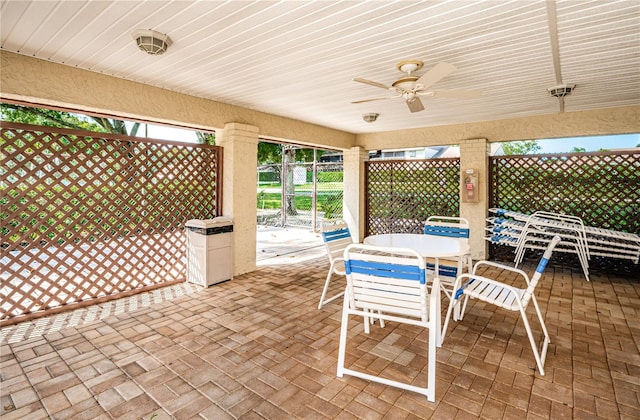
343, 337
452, 302
326, 288
532, 341
547, 340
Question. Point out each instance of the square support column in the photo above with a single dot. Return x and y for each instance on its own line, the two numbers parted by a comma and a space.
354, 189
473, 155
239, 198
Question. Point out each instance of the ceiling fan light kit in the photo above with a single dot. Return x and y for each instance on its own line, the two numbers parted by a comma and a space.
152, 42
410, 87
560, 91
409, 66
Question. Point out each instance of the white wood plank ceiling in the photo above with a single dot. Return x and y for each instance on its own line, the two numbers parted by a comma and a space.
297, 58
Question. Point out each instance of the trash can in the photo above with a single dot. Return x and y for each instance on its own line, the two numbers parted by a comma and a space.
209, 250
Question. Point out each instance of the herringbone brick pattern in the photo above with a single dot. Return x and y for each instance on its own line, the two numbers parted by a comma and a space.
258, 347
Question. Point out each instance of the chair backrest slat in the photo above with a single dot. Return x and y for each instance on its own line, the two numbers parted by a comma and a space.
391, 283
336, 237
455, 227
380, 269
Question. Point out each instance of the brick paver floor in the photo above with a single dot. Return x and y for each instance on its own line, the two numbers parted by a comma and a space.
258, 347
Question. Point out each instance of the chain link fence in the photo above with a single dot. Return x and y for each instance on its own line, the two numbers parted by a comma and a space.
308, 192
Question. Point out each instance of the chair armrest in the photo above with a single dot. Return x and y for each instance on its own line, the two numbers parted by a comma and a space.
502, 267
335, 261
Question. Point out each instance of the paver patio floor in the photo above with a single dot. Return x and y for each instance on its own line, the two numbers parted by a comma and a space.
258, 347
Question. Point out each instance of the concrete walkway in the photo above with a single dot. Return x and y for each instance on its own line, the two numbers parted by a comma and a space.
289, 245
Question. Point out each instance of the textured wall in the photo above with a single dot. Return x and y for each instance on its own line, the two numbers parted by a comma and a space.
239, 200
39, 81
621, 120
473, 155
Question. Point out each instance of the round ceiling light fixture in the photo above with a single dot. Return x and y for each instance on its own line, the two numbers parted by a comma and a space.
152, 42
370, 117
560, 91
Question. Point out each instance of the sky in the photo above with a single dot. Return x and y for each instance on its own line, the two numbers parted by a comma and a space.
564, 145
591, 144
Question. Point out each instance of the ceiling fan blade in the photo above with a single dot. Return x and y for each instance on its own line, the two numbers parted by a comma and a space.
375, 99
440, 71
415, 104
370, 82
455, 94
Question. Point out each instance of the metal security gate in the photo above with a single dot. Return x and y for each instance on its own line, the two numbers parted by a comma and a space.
299, 194
91, 216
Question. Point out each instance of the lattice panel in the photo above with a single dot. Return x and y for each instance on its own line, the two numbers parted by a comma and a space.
88, 215
401, 194
601, 188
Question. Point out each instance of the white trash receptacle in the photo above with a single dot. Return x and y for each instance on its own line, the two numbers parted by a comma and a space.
209, 250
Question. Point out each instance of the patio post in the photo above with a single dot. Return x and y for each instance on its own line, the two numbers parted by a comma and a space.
239, 198
473, 155
354, 190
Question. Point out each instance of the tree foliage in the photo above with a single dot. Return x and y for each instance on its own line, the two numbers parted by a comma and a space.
206, 138
62, 119
521, 147
270, 153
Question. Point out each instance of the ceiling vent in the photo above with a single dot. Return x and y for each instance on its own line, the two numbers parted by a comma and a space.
560, 91
152, 42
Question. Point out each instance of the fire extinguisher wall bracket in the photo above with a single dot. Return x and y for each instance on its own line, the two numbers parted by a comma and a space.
469, 186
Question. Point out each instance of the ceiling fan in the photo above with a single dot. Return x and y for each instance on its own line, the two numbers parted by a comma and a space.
411, 87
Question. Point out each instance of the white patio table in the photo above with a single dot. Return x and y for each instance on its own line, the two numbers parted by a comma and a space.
429, 246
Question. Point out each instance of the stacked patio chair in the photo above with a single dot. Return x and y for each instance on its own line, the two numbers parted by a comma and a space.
534, 231
505, 296
454, 227
393, 284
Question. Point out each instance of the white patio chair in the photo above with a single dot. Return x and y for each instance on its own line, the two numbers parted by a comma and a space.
505, 296
336, 237
393, 283
449, 269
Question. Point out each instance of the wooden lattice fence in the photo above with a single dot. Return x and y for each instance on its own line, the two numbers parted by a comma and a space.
91, 216
401, 194
602, 188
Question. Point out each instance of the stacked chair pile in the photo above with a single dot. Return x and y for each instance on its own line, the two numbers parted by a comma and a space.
535, 231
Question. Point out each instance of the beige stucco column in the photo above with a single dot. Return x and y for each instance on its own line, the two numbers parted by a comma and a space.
354, 188
240, 151
473, 155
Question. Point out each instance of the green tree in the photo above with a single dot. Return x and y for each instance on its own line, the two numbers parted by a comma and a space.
206, 138
274, 153
578, 149
62, 119
521, 147
270, 153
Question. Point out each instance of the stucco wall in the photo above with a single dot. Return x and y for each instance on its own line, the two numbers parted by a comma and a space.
240, 152
473, 155
43, 82
621, 120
